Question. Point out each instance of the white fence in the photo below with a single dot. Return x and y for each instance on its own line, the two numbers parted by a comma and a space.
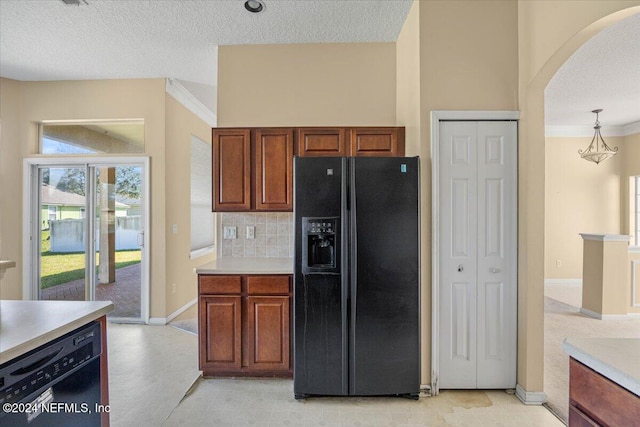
67, 235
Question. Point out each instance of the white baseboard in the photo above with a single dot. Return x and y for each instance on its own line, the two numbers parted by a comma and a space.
599, 316
425, 390
530, 397
181, 310
563, 282
157, 321
161, 321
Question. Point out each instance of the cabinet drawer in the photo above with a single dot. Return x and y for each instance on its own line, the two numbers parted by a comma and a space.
322, 142
216, 285
380, 142
268, 285
600, 398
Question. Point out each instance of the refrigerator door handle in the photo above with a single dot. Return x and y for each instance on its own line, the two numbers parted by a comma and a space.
344, 270
353, 272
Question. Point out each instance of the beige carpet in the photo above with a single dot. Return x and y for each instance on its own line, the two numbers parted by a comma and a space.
561, 320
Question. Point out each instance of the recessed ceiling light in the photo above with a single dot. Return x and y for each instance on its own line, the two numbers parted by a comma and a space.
254, 6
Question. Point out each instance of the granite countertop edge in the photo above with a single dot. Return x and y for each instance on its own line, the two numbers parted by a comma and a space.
618, 374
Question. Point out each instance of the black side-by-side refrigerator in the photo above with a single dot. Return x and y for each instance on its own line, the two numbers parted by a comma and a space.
356, 327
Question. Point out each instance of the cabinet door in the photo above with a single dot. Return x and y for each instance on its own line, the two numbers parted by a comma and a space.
322, 142
231, 169
378, 142
274, 169
268, 333
220, 332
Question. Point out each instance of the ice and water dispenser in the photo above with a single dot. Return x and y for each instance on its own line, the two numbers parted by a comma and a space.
320, 243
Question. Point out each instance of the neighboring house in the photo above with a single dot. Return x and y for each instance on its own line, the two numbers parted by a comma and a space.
133, 206
57, 204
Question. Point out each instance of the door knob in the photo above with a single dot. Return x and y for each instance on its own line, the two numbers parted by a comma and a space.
460, 267
495, 270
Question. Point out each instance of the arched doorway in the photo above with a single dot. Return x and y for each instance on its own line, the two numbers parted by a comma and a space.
532, 161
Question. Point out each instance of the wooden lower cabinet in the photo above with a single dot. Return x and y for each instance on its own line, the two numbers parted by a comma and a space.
268, 333
221, 317
245, 325
597, 401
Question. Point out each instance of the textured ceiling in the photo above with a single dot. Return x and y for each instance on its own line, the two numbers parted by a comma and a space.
111, 39
602, 73
48, 40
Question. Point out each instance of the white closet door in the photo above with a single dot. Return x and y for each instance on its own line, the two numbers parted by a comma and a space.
497, 260
458, 254
478, 300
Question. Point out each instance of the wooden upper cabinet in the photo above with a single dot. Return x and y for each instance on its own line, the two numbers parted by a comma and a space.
232, 169
273, 150
323, 142
379, 142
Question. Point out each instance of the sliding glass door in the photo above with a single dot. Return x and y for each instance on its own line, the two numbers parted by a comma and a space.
62, 234
88, 228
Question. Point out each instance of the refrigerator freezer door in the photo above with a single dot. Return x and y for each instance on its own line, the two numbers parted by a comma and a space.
320, 289
385, 294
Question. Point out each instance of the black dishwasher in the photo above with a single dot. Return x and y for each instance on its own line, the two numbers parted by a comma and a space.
57, 384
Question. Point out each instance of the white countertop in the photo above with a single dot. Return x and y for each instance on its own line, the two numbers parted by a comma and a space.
26, 325
230, 265
617, 359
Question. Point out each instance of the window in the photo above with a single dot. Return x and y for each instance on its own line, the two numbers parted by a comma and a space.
99, 137
202, 218
635, 203
52, 213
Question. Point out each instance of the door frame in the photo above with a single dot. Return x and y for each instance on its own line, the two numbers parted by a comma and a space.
30, 209
436, 117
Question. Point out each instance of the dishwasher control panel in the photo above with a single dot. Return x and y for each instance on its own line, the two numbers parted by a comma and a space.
34, 370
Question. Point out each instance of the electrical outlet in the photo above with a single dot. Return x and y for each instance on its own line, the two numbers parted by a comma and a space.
558, 263
251, 232
174, 228
173, 288
230, 233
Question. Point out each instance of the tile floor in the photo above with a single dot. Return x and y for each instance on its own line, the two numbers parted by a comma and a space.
154, 381
153, 367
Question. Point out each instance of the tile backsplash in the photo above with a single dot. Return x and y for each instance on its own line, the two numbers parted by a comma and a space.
273, 234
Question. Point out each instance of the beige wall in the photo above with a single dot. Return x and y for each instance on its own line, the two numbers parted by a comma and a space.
464, 63
167, 133
180, 125
630, 156
633, 273
11, 153
408, 113
307, 85
605, 288
580, 197
548, 34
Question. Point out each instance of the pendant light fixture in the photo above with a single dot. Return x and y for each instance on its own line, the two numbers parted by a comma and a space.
598, 150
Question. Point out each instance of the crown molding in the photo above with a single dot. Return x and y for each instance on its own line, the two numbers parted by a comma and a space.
587, 131
190, 102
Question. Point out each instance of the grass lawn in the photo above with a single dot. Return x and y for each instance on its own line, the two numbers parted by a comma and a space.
59, 268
